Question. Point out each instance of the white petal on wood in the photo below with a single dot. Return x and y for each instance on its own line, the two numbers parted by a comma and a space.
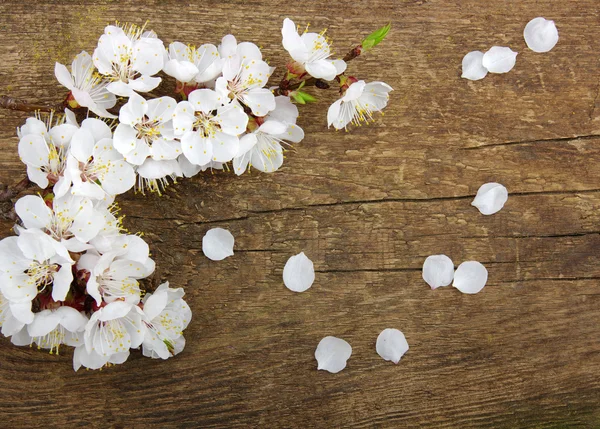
499, 59
298, 273
472, 66
438, 270
391, 345
217, 244
332, 354
540, 34
470, 277
490, 198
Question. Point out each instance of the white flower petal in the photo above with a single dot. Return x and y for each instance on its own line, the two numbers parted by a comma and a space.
490, 198
217, 244
203, 100
62, 283
120, 88
260, 100
470, 277
273, 127
332, 354
36, 245
298, 273
438, 270
499, 59
472, 66
540, 34
391, 345
33, 211
197, 149
63, 75
43, 322
144, 83
183, 71
322, 69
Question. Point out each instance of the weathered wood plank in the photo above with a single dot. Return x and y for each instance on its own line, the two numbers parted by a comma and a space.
368, 207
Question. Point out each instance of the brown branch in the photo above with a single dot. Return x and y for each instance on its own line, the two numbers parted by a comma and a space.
10, 192
10, 103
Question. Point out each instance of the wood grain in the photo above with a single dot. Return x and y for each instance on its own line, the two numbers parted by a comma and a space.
367, 207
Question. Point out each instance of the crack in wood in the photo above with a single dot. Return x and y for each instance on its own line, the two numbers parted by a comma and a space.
552, 140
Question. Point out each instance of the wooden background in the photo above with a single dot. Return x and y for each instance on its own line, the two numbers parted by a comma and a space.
367, 207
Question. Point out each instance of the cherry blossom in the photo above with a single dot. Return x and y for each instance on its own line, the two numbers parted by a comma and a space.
311, 51
208, 131
166, 316
358, 104
263, 148
86, 86
129, 57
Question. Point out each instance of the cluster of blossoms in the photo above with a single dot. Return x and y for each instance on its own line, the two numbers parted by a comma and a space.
71, 275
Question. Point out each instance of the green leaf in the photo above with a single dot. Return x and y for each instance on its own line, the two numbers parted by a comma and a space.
307, 97
297, 98
376, 37
302, 97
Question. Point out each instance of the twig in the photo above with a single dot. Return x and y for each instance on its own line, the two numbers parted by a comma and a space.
10, 192
7, 102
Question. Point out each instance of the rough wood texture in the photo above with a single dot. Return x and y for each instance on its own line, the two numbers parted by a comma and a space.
368, 207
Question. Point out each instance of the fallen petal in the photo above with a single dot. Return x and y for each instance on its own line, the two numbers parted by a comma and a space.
391, 345
540, 34
470, 277
332, 354
490, 198
438, 270
217, 244
499, 59
472, 66
298, 273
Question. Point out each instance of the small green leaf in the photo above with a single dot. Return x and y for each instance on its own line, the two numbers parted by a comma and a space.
297, 98
307, 97
302, 97
376, 37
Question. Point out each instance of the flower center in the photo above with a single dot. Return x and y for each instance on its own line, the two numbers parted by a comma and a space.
148, 130
41, 274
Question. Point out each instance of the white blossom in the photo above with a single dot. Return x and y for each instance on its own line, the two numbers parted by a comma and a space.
312, 51
146, 130
43, 147
209, 131
94, 167
263, 148
88, 89
189, 64
129, 57
244, 76
52, 327
29, 264
358, 104
114, 328
167, 315
73, 220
